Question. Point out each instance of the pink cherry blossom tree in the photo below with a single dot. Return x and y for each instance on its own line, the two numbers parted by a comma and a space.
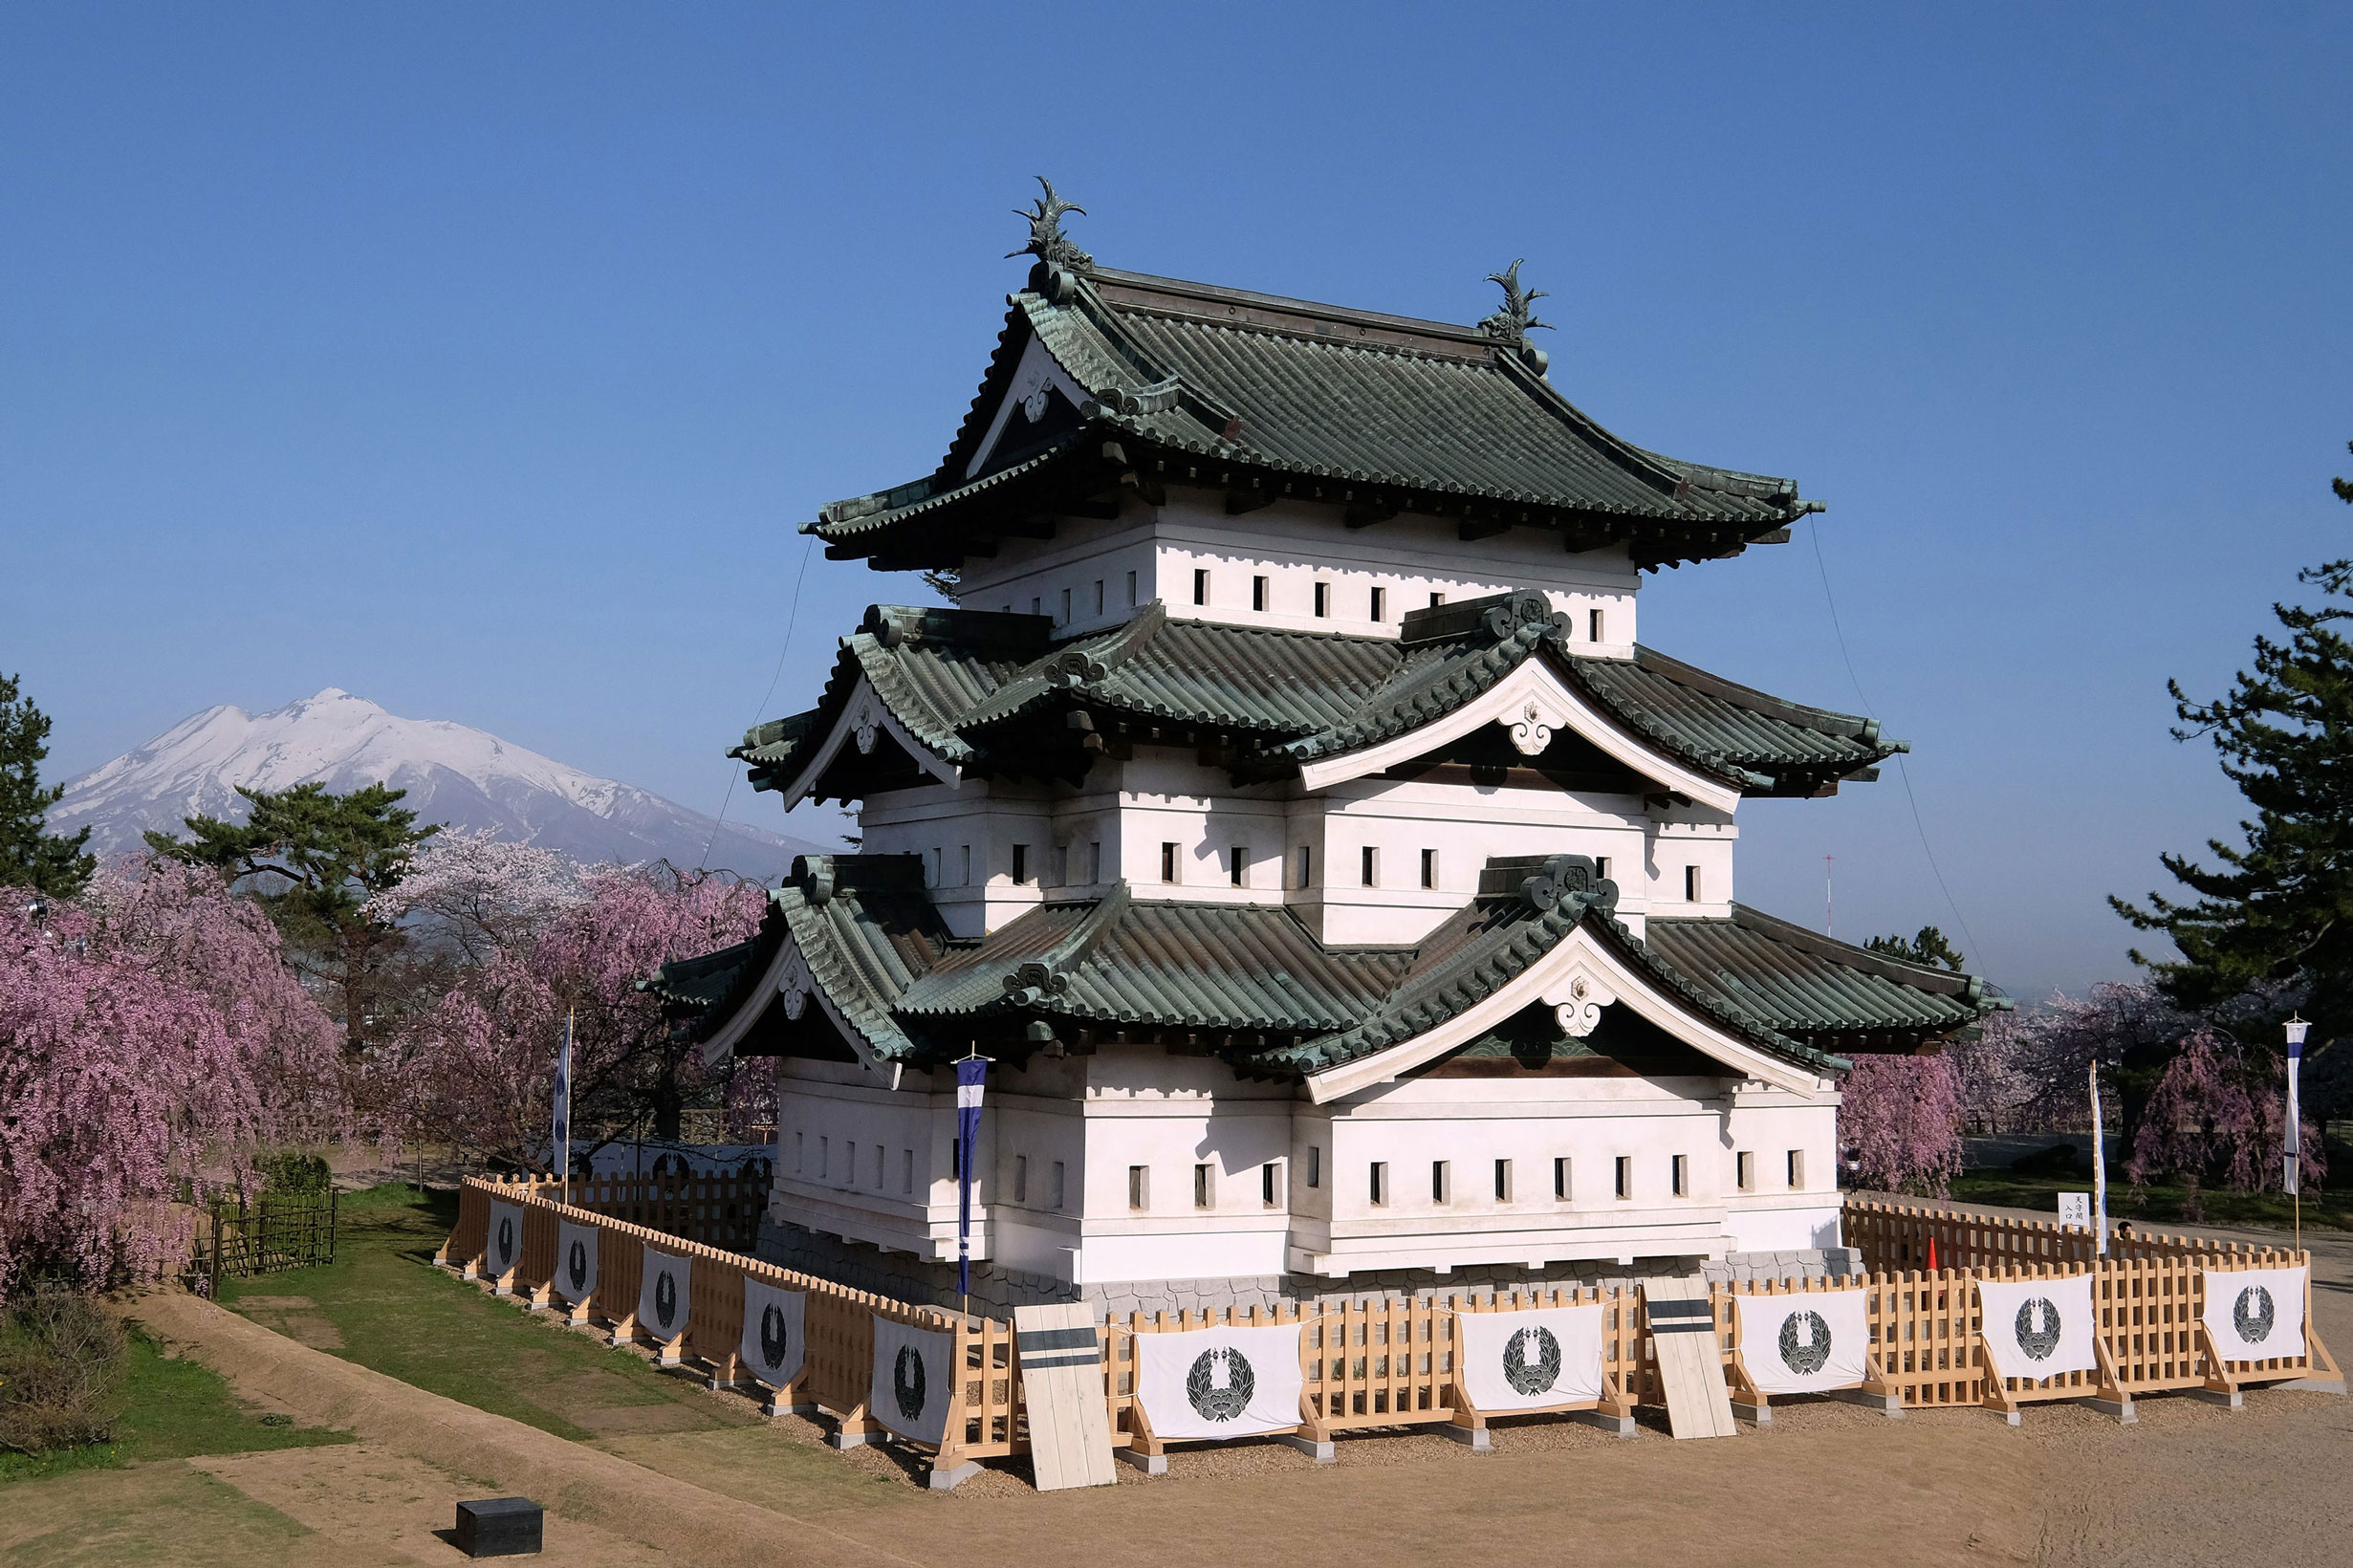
2219, 1112
473, 895
1900, 1123
150, 1044
477, 1071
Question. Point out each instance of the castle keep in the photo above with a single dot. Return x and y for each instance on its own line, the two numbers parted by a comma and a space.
1341, 892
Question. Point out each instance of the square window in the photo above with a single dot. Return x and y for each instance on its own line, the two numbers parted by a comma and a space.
1021, 865
1065, 607
1201, 585
1037, 605
1315, 1164
1441, 1181
1503, 1180
1205, 1187
1168, 863
932, 869
906, 1170
849, 1164
1323, 600
881, 1156
1270, 1184
1593, 624
1131, 590
825, 1159
1307, 867
1258, 594
1095, 862
1372, 866
1099, 595
1436, 599
1429, 869
1138, 1187
1680, 1175
800, 1151
1381, 604
1380, 1184
1796, 1170
1744, 1171
1600, 866
1061, 865
1626, 1176
1061, 1185
1562, 1189
1690, 884
967, 850
1238, 866
1021, 1178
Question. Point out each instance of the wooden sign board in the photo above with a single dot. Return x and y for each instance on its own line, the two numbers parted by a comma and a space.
1062, 1386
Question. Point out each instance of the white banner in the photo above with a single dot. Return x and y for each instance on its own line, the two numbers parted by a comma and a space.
664, 1295
1220, 1382
575, 1261
772, 1319
1527, 1361
2039, 1328
1805, 1343
914, 1385
2255, 1314
504, 1248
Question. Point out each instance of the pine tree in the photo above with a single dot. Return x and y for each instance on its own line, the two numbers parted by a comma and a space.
1929, 947
315, 861
29, 855
2275, 916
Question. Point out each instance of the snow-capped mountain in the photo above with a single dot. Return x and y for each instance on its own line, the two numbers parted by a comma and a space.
453, 775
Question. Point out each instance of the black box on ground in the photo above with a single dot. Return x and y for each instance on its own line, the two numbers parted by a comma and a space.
499, 1526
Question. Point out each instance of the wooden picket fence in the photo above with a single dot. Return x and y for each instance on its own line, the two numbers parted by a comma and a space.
1394, 1362
837, 1359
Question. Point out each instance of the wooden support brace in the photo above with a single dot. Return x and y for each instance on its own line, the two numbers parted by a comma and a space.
1467, 1427
2326, 1378
1749, 1402
2113, 1399
1146, 1453
1878, 1392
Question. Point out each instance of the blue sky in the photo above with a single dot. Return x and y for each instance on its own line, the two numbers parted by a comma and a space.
482, 361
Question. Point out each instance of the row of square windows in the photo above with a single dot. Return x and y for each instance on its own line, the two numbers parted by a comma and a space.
1273, 1184
1262, 599
1237, 867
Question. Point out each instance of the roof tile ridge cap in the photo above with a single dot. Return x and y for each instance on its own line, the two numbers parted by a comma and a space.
1470, 354
899, 695
1724, 1008
1955, 983
1366, 725
1635, 460
1762, 703
1712, 758
1130, 641
1067, 954
1002, 355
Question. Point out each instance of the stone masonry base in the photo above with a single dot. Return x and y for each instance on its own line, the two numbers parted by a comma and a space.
997, 1290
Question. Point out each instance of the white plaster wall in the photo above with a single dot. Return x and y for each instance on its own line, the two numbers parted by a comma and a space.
1679, 837
1294, 545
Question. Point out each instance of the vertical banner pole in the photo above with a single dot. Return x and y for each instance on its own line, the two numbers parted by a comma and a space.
563, 1109
970, 1072
2292, 1144
2100, 1169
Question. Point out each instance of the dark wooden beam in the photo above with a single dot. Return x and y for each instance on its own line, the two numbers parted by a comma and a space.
1240, 501
1366, 513
1480, 528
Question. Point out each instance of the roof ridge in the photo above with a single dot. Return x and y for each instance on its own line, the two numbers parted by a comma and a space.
1923, 976
1645, 657
1034, 979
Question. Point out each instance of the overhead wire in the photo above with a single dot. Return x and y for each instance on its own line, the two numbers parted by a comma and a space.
1920, 826
792, 618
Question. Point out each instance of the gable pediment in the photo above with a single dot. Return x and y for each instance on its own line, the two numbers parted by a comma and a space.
1041, 400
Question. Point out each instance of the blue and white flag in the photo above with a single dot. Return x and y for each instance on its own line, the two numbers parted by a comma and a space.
563, 1102
2292, 1148
969, 1074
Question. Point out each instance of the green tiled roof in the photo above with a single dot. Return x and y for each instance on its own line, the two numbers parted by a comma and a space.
1224, 387
985, 692
1274, 1001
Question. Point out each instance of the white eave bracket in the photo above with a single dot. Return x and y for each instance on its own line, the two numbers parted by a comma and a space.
1532, 702
1578, 978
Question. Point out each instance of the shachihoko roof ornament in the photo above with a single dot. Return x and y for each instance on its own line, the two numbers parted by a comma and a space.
1511, 324
1047, 241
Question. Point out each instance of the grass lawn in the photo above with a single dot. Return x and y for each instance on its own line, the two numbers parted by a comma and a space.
175, 1408
381, 1303
2157, 1205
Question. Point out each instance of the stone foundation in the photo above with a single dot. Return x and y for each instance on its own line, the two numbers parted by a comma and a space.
997, 1290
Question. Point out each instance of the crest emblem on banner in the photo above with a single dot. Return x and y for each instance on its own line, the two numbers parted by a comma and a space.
665, 1298
2038, 1342
1220, 1384
1528, 1375
2252, 1314
1805, 1343
906, 1381
772, 1338
577, 1264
